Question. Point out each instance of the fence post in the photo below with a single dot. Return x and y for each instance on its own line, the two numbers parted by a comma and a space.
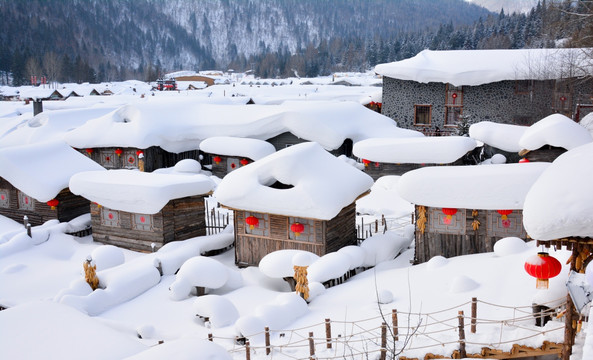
29, 230
474, 314
376, 226
462, 352
210, 337
395, 325
311, 346
328, 333
267, 332
383, 341
247, 350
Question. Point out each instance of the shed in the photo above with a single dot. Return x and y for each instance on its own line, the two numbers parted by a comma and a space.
301, 197
228, 153
464, 210
34, 182
134, 209
395, 156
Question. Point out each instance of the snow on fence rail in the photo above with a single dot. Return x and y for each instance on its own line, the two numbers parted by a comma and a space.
384, 335
368, 228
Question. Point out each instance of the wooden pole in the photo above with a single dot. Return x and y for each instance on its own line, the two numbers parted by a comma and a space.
328, 334
311, 346
474, 314
210, 337
395, 325
462, 352
29, 230
267, 333
247, 350
383, 341
569, 331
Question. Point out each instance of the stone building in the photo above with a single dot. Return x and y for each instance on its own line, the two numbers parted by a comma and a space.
435, 89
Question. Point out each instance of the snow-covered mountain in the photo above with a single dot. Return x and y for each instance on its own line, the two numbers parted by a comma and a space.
509, 6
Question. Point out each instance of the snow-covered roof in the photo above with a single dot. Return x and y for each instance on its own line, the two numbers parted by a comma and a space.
136, 191
42, 170
416, 150
477, 67
36, 93
560, 203
321, 184
180, 125
234, 146
487, 187
502, 136
556, 130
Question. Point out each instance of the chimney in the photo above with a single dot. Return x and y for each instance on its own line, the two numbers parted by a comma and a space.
37, 106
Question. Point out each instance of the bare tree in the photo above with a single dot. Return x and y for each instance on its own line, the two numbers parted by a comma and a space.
52, 66
32, 67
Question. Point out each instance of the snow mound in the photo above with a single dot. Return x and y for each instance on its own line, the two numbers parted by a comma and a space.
107, 256
355, 253
145, 331
510, 246
436, 262
219, 310
501, 136
315, 289
385, 296
198, 271
279, 264
329, 266
184, 349
188, 166
462, 283
498, 159
556, 130
384, 247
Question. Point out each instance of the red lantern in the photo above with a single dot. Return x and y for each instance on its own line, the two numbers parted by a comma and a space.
377, 164
504, 213
524, 160
118, 151
89, 151
217, 159
297, 228
139, 152
366, 162
252, 221
244, 162
449, 212
542, 267
53, 203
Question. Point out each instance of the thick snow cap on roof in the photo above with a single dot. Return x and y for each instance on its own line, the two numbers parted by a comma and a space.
416, 150
477, 67
560, 203
42, 170
234, 146
136, 191
321, 184
502, 136
487, 187
556, 130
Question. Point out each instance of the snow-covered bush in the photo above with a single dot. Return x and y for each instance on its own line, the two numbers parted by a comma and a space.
198, 271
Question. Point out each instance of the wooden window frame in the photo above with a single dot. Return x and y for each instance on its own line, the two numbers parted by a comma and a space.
109, 222
30, 205
449, 108
142, 227
416, 107
5, 203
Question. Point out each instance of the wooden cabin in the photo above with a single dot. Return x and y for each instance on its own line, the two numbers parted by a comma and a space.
462, 210
134, 209
226, 154
297, 209
34, 182
148, 159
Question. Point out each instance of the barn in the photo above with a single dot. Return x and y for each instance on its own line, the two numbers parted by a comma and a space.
291, 200
134, 209
462, 210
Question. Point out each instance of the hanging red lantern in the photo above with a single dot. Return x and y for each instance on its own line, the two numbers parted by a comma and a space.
297, 228
252, 221
244, 162
542, 267
118, 151
377, 164
217, 159
89, 151
504, 213
524, 160
139, 152
366, 162
449, 212
53, 203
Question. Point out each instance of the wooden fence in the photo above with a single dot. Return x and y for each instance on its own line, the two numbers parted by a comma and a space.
216, 220
380, 226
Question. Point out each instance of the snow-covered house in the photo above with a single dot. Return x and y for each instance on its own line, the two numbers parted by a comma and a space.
395, 156
557, 215
465, 209
34, 182
498, 139
519, 86
135, 209
229, 153
290, 200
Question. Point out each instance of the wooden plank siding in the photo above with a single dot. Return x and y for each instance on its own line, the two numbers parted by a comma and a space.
436, 242
384, 169
180, 219
329, 236
154, 157
70, 206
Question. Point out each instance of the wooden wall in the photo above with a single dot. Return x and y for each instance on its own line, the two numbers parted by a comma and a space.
459, 238
154, 157
224, 165
70, 206
341, 230
546, 153
180, 219
382, 169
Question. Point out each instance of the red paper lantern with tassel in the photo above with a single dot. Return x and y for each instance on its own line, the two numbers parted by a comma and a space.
297, 228
217, 159
244, 162
119, 151
366, 162
449, 212
542, 267
252, 221
53, 203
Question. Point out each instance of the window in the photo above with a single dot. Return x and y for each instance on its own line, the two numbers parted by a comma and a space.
422, 114
232, 164
4, 199
263, 224
131, 159
453, 104
308, 233
108, 159
109, 217
142, 222
26, 202
452, 115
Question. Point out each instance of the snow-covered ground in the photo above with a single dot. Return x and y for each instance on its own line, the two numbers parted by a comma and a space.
145, 299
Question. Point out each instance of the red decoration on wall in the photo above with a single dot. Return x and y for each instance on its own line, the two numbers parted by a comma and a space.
233, 165
524, 160
244, 162
252, 221
53, 203
89, 151
542, 267
505, 219
297, 228
449, 212
366, 162
118, 151
377, 164
217, 159
454, 96
142, 219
